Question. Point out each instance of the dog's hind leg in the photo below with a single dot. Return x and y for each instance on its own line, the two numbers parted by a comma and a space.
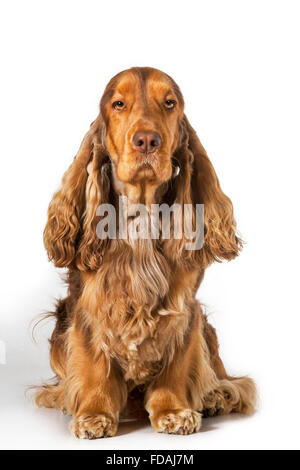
52, 395
233, 394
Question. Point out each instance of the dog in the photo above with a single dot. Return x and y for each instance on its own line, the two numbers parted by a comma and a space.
130, 337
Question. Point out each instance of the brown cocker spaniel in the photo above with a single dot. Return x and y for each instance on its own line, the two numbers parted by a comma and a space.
131, 336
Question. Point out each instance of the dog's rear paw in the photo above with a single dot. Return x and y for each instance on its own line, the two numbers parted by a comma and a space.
93, 426
214, 405
177, 421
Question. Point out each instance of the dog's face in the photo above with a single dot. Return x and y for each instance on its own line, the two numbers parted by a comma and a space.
141, 109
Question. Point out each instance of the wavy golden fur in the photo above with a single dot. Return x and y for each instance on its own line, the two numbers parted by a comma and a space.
130, 336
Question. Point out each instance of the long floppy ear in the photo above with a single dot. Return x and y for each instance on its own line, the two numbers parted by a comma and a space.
220, 239
91, 247
66, 210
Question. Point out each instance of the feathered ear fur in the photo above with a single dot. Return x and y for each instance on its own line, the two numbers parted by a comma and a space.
220, 239
73, 203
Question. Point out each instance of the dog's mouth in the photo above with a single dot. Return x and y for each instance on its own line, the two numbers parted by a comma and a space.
146, 165
149, 167
145, 171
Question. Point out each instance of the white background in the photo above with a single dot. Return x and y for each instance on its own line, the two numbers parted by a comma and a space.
237, 63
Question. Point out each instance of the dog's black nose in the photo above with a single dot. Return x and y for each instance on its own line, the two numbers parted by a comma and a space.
146, 142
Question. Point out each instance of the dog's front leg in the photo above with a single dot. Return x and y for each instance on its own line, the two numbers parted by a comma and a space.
167, 401
95, 390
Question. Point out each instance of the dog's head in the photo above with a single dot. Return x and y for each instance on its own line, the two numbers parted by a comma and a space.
141, 109
138, 144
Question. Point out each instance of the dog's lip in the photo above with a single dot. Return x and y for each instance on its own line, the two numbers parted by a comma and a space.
146, 161
146, 164
145, 167
145, 171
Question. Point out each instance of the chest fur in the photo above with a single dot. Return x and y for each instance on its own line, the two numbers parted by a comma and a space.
142, 310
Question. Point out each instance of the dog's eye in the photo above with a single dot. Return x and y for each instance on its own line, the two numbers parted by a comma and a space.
170, 104
118, 105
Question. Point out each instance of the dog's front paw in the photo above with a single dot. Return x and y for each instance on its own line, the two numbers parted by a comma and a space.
177, 421
93, 426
